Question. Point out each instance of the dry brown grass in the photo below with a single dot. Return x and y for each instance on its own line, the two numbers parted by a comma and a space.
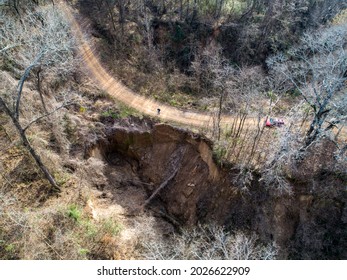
56, 231
33, 223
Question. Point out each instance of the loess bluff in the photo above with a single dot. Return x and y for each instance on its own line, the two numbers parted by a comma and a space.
194, 189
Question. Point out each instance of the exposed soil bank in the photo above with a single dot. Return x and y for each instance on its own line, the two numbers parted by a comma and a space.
309, 224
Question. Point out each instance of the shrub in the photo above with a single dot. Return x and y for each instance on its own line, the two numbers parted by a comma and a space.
74, 213
207, 243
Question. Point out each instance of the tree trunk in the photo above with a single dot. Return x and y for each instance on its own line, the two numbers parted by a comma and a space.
22, 81
121, 9
26, 143
110, 12
40, 90
181, 9
163, 185
219, 116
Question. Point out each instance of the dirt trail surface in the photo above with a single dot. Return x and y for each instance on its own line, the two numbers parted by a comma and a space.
125, 95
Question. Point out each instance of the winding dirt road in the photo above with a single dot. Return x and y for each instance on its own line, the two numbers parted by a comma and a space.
142, 104
125, 95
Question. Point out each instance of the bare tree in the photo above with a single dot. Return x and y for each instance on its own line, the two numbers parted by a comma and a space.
316, 68
213, 75
111, 13
19, 7
209, 242
273, 174
43, 42
221, 83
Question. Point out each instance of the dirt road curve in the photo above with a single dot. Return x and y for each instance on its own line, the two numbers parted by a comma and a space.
125, 95
146, 105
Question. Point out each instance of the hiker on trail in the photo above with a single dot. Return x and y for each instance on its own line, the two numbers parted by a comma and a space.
158, 111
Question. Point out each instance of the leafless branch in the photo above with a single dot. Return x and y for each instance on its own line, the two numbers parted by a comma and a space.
46, 115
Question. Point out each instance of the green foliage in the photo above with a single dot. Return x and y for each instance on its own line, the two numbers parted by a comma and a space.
125, 111
219, 153
271, 95
83, 252
110, 113
10, 248
7, 249
90, 229
82, 109
180, 100
75, 213
122, 112
89, 233
111, 227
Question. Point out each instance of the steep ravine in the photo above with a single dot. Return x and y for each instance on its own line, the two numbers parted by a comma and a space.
306, 225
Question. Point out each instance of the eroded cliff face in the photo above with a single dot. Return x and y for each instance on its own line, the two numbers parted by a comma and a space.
199, 191
160, 152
